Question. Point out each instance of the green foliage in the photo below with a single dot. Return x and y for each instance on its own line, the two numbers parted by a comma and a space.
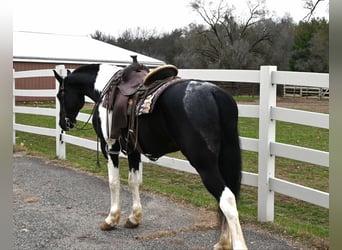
311, 47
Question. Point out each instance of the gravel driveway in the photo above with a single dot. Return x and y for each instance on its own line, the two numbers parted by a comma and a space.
61, 208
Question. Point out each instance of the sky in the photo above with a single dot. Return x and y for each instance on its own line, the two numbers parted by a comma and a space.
84, 17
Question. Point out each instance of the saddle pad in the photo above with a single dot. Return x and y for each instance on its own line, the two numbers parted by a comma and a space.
145, 105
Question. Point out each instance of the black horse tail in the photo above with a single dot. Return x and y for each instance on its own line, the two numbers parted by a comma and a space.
230, 163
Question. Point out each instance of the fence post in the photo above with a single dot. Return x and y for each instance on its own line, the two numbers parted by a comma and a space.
60, 144
266, 162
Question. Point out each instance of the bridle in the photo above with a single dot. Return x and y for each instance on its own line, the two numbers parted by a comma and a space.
60, 96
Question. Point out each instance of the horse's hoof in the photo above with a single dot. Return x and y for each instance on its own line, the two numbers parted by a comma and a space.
105, 227
130, 224
218, 246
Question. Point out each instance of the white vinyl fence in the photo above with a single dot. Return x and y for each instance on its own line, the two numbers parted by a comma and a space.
267, 111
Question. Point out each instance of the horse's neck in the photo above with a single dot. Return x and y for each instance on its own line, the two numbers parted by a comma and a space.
93, 95
94, 89
87, 89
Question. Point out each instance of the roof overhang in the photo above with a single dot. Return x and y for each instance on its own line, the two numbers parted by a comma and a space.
55, 48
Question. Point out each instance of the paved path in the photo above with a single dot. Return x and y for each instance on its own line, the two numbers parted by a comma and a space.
61, 208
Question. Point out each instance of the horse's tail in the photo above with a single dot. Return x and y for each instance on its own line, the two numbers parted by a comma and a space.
230, 163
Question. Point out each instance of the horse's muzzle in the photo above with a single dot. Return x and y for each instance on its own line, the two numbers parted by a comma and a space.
68, 124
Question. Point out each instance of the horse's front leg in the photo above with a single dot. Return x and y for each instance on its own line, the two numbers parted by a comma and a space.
134, 182
114, 185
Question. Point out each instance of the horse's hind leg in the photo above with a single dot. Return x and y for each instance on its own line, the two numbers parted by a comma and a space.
215, 185
134, 182
114, 185
225, 241
228, 207
231, 233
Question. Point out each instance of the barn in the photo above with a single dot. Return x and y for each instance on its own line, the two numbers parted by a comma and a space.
33, 50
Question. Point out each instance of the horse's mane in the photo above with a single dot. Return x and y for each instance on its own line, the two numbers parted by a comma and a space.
83, 75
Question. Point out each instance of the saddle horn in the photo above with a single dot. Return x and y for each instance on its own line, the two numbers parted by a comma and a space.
135, 58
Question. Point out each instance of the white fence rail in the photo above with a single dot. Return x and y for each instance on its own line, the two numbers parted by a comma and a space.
268, 77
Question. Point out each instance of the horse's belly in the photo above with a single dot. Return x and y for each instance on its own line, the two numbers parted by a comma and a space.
154, 140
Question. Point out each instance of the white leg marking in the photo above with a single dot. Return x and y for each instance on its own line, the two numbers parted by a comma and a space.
114, 186
134, 182
229, 209
225, 238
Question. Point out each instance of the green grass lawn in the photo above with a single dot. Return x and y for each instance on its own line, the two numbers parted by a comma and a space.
294, 219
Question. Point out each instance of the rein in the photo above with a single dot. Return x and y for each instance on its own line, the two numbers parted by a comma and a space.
87, 122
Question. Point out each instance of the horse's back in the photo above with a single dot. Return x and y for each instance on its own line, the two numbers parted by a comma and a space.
186, 114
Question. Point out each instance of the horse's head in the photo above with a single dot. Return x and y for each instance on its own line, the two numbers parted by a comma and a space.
71, 100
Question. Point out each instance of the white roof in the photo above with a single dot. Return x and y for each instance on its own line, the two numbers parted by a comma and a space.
56, 48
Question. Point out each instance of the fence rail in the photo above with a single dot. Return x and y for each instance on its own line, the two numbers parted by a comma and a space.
268, 77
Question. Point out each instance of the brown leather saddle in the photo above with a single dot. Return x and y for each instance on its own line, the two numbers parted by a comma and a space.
134, 91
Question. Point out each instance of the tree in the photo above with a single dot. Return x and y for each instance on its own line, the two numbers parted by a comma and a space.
280, 50
190, 42
225, 41
311, 47
311, 6
228, 43
98, 35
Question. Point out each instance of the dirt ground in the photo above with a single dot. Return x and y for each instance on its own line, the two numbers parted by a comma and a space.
302, 103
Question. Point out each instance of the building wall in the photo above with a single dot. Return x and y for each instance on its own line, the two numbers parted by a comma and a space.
39, 82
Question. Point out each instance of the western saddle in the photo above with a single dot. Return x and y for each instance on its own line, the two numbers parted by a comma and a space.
131, 92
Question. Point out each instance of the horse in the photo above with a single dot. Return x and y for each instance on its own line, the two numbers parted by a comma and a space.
194, 117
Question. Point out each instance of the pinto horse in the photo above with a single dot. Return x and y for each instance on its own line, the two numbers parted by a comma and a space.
195, 117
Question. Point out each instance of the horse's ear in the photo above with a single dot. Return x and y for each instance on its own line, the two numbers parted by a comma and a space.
57, 76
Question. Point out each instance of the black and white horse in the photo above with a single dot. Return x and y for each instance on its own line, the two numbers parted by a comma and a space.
196, 117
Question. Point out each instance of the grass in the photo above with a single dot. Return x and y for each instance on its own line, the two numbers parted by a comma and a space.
308, 224
246, 98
